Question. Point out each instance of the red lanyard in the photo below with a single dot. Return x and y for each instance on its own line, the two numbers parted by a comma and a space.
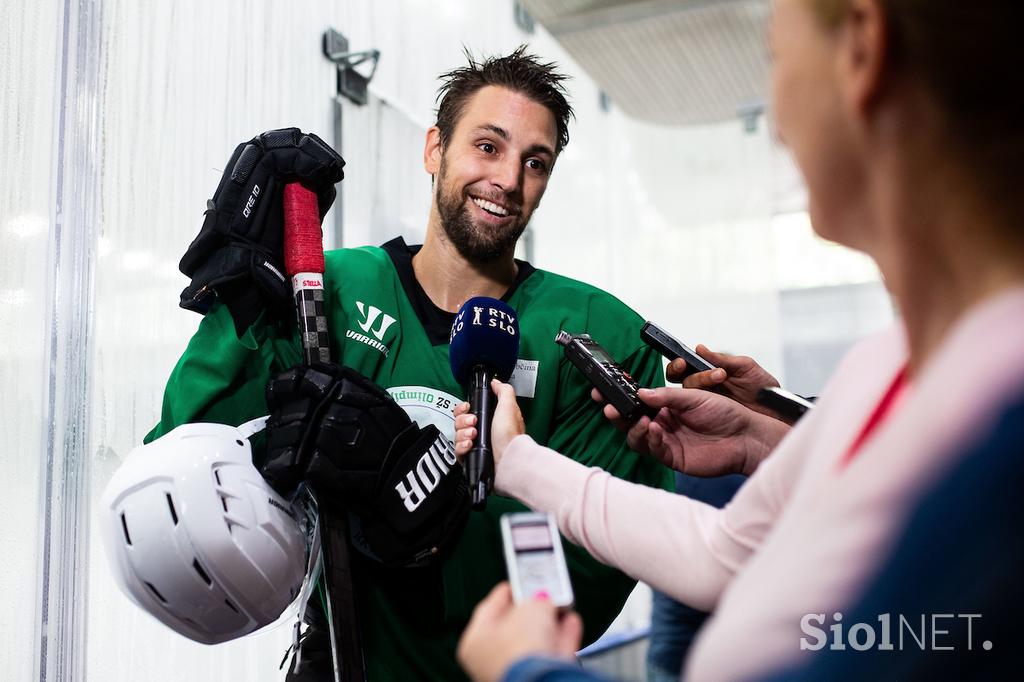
884, 408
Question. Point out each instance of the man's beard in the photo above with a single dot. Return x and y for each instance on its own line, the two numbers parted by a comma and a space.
476, 243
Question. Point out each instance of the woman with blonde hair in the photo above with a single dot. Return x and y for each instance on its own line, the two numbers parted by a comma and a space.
906, 120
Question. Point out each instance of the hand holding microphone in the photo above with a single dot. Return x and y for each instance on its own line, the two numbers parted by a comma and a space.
484, 346
506, 424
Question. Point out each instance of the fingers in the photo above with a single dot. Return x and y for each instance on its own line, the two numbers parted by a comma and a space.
706, 380
680, 399
636, 437
675, 370
464, 440
508, 419
616, 419
480, 647
495, 604
465, 430
740, 368
464, 420
569, 635
504, 391
709, 354
656, 439
729, 362
610, 413
732, 364
507, 405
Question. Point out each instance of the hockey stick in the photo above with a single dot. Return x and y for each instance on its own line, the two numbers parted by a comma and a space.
304, 262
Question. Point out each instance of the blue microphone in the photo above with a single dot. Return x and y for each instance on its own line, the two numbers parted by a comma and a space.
484, 345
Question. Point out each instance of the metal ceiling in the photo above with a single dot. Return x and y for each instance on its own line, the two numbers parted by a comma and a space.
673, 62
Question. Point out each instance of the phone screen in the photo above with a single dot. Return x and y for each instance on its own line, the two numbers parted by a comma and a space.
534, 557
531, 537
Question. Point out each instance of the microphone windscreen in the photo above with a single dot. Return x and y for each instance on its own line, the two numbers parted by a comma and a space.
485, 332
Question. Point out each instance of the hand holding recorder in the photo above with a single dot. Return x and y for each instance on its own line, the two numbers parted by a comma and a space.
699, 432
501, 632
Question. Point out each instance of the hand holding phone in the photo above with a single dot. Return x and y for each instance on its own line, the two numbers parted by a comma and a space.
780, 403
534, 558
789, 405
671, 348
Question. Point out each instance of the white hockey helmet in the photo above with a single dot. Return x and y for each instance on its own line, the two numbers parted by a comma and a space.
198, 539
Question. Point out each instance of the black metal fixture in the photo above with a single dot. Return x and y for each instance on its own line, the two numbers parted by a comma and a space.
352, 84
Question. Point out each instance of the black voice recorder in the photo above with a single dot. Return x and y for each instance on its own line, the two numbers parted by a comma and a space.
606, 375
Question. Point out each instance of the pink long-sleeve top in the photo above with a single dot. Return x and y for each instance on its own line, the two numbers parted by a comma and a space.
805, 532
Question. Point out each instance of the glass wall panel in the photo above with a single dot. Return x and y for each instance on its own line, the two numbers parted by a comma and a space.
184, 83
29, 53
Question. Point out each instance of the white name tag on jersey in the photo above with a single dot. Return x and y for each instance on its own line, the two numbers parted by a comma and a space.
524, 378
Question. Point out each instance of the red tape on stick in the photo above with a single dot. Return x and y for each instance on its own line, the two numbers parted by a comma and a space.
303, 240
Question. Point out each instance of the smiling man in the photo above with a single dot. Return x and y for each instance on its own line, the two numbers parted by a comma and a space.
501, 124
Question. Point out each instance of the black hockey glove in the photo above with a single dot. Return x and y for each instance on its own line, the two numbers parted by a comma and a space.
237, 255
345, 436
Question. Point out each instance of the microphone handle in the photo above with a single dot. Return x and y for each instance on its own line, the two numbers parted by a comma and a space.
480, 461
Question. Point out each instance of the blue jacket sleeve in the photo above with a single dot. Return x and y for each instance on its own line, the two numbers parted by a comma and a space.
538, 669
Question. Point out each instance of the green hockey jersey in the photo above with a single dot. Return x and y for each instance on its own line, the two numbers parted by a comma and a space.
383, 325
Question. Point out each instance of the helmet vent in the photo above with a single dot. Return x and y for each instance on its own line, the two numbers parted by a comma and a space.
216, 476
224, 502
124, 527
232, 606
202, 574
156, 592
170, 504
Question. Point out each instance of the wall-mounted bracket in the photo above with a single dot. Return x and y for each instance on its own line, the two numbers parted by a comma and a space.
750, 113
352, 84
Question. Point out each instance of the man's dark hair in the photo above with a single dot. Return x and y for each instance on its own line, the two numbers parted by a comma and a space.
519, 72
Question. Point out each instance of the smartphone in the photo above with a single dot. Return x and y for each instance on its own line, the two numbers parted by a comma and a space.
671, 348
613, 382
534, 557
789, 405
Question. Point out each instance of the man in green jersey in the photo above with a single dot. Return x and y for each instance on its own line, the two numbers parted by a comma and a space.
501, 124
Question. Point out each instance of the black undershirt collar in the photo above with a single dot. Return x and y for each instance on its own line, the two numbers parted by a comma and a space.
436, 322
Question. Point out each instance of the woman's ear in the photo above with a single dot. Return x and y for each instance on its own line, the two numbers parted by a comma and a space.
866, 53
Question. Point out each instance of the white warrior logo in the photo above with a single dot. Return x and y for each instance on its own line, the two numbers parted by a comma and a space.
370, 316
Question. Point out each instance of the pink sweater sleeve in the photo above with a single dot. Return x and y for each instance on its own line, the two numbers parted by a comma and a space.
682, 547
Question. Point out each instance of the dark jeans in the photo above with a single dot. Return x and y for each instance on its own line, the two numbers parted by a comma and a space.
673, 625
